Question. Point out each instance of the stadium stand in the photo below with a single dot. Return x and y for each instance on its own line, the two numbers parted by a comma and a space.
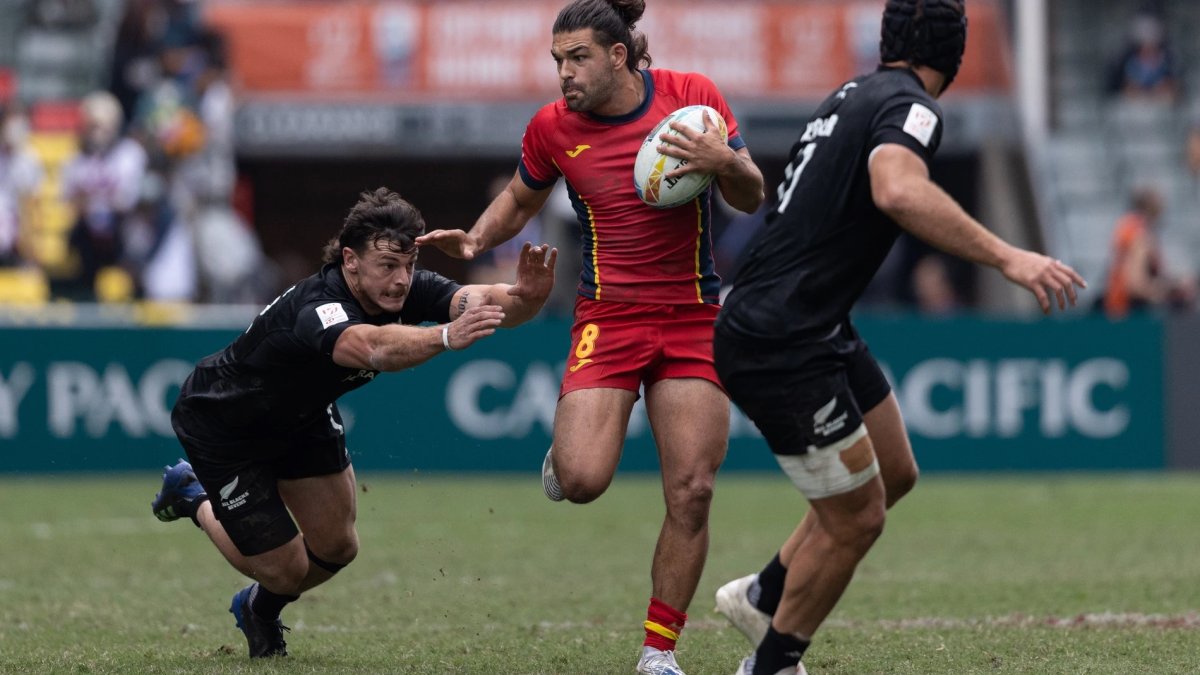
1105, 143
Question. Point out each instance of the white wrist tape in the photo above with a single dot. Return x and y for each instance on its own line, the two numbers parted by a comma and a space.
446, 337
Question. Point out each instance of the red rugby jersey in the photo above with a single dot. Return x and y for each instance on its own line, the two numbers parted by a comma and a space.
632, 252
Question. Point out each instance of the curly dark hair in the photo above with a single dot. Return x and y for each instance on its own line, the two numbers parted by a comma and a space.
382, 219
611, 21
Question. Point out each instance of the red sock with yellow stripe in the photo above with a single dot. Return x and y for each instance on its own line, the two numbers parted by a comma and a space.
663, 625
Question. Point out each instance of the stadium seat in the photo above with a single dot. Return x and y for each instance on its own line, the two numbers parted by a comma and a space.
23, 286
113, 285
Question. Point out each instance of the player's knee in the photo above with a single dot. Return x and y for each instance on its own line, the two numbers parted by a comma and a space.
582, 483
284, 577
334, 554
861, 529
581, 489
689, 500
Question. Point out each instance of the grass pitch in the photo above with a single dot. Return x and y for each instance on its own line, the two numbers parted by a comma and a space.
1024, 574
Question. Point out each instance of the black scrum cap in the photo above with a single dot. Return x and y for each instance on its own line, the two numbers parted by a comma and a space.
926, 33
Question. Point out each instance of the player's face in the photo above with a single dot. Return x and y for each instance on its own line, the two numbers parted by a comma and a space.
586, 73
380, 278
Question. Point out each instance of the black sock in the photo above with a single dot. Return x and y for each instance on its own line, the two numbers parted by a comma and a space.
778, 651
770, 586
268, 605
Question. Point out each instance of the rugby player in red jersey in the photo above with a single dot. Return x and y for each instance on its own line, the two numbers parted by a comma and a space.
648, 291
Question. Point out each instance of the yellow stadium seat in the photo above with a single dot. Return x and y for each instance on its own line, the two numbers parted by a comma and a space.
114, 284
23, 286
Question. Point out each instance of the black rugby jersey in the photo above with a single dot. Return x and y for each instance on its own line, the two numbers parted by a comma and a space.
825, 239
279, 375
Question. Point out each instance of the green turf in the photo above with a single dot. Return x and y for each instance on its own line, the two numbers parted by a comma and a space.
483, 575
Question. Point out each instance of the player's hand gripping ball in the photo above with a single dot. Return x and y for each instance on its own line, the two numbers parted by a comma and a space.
651, 168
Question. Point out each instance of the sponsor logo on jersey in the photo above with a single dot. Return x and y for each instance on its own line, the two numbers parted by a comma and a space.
235, 502
578, 149
921, 123
331, 314
581, 363
824, 426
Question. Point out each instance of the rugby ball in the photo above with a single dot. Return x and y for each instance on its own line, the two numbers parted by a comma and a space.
651, 167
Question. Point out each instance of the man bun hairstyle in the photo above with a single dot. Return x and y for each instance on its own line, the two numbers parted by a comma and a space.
382, 219
925, 33
611, 21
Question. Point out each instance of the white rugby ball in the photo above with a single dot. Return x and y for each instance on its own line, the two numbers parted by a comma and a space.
651, 168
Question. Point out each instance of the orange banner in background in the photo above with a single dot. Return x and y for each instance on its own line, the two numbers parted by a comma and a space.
500, 49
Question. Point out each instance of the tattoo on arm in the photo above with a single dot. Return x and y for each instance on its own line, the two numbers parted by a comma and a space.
462, 303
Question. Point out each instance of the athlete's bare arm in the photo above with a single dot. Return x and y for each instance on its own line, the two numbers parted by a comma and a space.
739, 179
502, 220
396, 346
475, 312
901, 188
521, 300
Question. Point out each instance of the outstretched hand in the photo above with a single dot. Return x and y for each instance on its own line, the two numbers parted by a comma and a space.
1044, 276
474, 324
705, 151
535, 273
454, 243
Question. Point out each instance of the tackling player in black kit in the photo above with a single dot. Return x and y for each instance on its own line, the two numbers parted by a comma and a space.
786, 350
259, 421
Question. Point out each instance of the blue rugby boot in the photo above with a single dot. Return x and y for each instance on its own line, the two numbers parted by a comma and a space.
181, 494
264, 637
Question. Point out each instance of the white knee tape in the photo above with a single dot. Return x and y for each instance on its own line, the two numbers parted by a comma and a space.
821, 472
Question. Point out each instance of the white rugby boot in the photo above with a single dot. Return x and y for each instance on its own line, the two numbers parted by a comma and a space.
734, 602
657, 662
549, 481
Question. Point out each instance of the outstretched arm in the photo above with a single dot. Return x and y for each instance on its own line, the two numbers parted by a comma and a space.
502, 220
901, 188
521, 300
396, 346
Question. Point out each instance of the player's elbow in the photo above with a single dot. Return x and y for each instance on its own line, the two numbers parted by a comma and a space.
756, 201
890, 196
747, 201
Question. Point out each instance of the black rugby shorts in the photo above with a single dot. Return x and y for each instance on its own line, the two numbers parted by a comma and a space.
241, 476
802, 396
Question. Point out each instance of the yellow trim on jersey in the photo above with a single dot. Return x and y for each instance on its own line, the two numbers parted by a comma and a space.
699, 245
595, 237
661, 630
595, 248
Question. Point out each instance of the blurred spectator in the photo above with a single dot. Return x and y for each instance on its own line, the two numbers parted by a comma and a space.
134, 66
157, 247
145, 29
933, 287
230, 259
1137, 278
166, 118
209, 175
20, 178
103, 182
1146, 68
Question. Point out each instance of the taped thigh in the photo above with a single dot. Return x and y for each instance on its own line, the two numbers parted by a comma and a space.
834, 469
